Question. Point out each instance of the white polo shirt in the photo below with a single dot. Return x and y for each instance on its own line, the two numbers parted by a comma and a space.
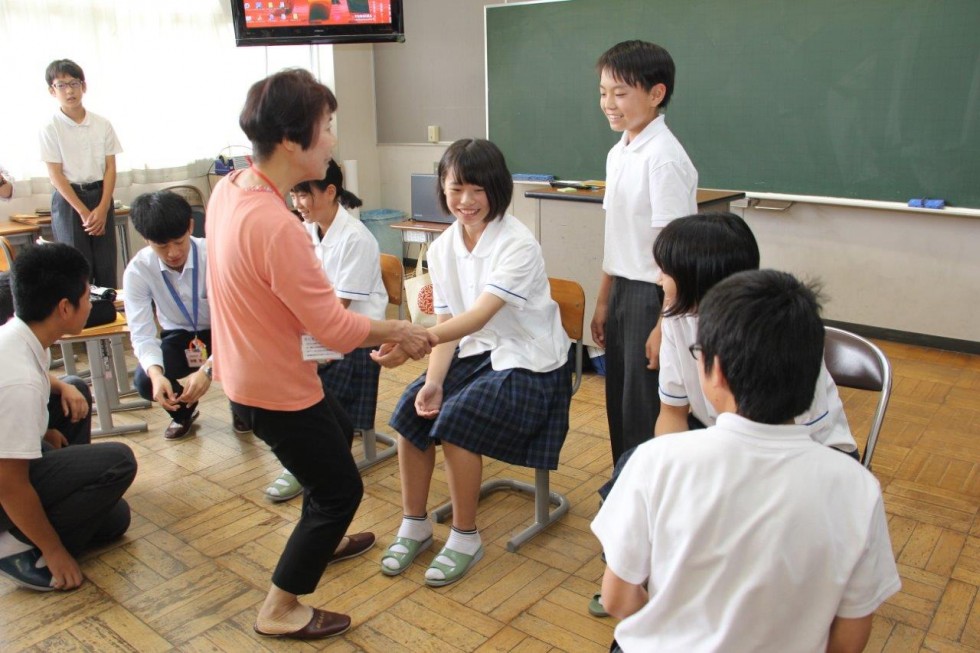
351, 259
145, 289
649, 182
748, 537
680, 386
506, 262
24, 391
80, 148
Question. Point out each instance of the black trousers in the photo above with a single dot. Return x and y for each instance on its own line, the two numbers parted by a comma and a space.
173, 343
99, 251
81, 488
314, 444
79, 432
632, 392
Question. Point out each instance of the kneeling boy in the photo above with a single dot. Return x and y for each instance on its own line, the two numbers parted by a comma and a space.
54, 502
750, 536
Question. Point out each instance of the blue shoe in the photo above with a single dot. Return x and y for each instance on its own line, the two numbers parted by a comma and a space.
22, 569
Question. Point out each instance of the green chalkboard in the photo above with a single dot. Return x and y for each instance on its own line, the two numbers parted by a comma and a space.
867, 99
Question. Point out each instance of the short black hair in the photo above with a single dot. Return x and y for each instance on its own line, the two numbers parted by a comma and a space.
640, 63
764, 328
44, 275
285, 106
700, 250
335, 178
161, 216
481, 163
6, 298
63, 67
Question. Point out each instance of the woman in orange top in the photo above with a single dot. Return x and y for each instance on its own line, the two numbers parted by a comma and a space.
269, 301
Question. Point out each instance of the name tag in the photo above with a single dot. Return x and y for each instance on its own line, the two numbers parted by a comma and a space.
196, 353
314, 351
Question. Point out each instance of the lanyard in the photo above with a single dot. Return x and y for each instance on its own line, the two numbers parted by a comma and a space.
173, 291
261, 175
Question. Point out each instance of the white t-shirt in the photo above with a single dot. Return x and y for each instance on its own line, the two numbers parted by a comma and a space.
680, 386
649, 182
351, 259
80, 148
24, 391
748, 537
506, 262
145, 289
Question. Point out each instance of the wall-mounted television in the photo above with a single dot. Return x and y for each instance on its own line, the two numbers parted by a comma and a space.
292, 22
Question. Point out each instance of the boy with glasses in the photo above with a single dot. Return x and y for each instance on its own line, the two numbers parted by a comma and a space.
79, 149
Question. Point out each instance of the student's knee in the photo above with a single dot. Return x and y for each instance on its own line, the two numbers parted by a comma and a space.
120, 461
81, 386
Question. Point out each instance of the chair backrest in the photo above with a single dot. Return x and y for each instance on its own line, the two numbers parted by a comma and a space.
393, 277
195, 198
571, 304
855, 362
7, 254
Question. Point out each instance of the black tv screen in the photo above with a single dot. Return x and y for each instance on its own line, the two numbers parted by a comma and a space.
291, 22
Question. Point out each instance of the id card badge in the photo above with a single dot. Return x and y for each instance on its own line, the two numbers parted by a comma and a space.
196, 353
314, 351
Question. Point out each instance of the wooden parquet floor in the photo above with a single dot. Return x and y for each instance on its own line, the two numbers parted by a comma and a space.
196, 563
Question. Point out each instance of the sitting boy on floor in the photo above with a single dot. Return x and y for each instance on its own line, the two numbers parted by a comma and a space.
750, 536
70, 403
55, 501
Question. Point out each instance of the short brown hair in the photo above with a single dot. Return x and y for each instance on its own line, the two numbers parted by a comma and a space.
285, 106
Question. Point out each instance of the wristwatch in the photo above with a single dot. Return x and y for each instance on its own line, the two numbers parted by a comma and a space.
208, 372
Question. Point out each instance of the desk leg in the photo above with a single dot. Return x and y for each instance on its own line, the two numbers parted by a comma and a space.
122, 232
68, 356
106, 394
120, 369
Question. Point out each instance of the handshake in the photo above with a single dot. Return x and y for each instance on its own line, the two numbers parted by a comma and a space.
404, 340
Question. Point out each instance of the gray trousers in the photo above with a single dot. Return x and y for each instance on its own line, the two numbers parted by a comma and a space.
632, 391
99, 251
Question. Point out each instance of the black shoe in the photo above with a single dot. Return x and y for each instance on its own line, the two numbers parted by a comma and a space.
22, 569
239, 425
178, 430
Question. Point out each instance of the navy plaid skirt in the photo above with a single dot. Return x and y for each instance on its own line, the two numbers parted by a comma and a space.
354, 382
515, 415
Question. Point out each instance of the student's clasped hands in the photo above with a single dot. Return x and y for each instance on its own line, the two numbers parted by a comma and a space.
94, 223
415, 342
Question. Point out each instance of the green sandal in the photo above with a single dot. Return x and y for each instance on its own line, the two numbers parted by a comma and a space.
284, 488
595, 606
452, 573
403, 559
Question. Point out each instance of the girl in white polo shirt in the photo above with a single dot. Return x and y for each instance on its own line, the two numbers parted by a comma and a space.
351, 259
498, 382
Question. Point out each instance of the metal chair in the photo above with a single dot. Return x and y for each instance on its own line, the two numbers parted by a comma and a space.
855, 362
195, 198
571, 303
393, 276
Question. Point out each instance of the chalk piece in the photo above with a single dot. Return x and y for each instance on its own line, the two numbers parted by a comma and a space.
566, 190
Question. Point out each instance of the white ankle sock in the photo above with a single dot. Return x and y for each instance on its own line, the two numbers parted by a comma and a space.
467, 542
10, 545
415, 528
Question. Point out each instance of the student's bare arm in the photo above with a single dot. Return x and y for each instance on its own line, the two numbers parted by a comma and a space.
849, 635
621, 599
601, 309
672, 419
23, 506
61, 184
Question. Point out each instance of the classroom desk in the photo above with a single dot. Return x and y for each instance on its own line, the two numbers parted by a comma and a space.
417, 231
42, 223
20, 235
107, 363
571, 229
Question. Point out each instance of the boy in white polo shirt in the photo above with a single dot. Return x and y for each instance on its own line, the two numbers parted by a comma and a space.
749, 535
650, 180
80, 148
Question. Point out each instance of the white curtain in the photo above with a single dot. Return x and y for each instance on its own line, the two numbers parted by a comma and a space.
166, 74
